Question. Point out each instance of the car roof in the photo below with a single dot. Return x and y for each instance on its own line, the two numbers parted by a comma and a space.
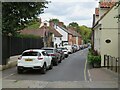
48, 48
37, 50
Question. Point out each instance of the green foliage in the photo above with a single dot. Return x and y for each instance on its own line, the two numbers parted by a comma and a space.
93, 57
34, 24
16, 15
54, 20
86, 33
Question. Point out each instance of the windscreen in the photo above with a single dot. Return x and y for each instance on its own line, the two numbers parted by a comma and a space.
30, 54
49, 50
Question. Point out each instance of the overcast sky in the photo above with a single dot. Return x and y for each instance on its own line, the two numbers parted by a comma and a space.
67, 11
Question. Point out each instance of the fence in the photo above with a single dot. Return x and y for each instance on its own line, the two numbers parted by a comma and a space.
14, 46
111, 63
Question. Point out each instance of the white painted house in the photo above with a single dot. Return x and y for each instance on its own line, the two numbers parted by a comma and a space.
106, 33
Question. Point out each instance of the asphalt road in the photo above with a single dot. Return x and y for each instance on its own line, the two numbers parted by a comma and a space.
73, 68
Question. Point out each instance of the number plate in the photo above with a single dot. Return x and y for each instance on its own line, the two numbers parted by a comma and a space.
28, 60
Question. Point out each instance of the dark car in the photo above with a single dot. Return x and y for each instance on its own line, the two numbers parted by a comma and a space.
54, 54
65, 51
61, 53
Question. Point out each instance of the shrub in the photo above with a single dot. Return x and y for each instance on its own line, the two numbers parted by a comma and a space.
94, 58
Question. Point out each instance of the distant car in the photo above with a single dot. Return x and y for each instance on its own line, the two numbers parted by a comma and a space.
74, 48
69, 47
65, 50
61, 53
34, 59
77, 47
54, 54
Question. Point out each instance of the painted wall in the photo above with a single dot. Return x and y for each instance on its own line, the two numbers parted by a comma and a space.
63, 33
77, 40
109, 31
97, 39
70, 41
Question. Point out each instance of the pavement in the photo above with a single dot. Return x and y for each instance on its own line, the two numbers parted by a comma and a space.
12, 62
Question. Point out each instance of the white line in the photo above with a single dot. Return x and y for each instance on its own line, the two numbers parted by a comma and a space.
90, 79
85, 70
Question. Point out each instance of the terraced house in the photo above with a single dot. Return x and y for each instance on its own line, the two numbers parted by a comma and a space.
105, 29
69, 35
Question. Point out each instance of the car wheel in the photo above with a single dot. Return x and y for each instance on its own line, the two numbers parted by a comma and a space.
19, 71
60, 60
51, 66
43, 70
56, 63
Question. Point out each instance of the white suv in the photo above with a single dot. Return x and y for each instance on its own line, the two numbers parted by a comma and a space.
34, 59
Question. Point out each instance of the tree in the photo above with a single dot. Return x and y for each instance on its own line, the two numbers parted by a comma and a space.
16, 15
74, 25
85, 33
54, 20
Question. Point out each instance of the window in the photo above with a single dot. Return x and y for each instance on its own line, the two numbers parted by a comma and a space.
60, 38
31, 54
44, 53
108, 41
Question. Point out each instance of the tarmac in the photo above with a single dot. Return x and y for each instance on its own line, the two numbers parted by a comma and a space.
98, 77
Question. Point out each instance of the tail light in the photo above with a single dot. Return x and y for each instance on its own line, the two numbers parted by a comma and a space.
52, 54
40, 58
19, 58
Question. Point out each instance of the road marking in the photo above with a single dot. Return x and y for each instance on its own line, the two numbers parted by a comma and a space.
85, 77
90, 79
8, 76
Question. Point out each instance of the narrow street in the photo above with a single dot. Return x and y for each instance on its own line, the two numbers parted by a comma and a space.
73, 72
71, 69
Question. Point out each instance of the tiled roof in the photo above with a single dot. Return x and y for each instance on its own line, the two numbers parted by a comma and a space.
56, 33
41, 31
106, 4
74, 33
64, 29
97, 11
103, 16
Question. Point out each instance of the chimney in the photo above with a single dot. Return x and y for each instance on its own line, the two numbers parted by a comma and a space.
51, 23
60, 24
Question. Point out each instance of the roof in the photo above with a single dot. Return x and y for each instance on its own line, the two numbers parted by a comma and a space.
56, 33
74, 33
70, 31
64, 29
48, 48
41, 32
103, 16
38, 50
106, 4
97, 11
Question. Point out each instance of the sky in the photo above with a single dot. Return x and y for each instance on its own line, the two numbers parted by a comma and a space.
67, 11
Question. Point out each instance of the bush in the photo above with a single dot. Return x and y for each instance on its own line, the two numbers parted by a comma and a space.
94, 58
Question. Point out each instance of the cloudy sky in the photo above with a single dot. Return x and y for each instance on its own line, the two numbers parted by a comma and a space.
67, 11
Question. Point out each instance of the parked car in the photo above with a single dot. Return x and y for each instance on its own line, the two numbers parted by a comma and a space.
77, 47
61, 52
74, 48
69, 47
65, 50
54, 54
34, 59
